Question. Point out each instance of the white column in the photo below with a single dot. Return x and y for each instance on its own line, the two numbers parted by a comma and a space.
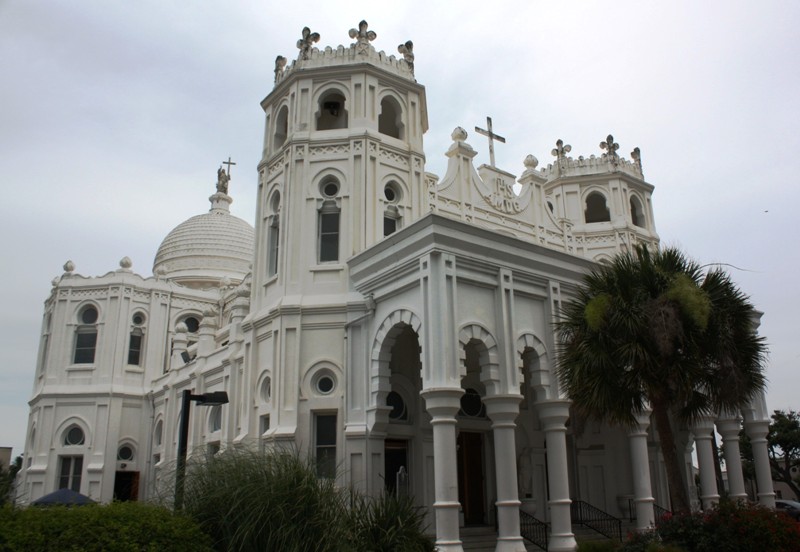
553, 414
757, 431
443, 404
729, 429
702, 430
640, 471
503, 410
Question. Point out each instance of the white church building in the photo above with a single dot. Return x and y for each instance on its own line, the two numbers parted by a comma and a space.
395, 324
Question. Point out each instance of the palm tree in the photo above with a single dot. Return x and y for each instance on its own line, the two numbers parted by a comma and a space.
653, 329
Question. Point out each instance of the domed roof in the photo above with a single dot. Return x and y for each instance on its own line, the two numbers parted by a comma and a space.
203, 250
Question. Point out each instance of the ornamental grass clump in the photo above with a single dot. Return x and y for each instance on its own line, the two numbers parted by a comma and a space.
275, 501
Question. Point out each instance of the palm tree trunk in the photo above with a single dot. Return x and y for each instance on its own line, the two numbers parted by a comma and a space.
677, 490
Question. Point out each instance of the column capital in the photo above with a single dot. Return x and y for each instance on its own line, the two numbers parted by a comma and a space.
702, 427
729, 428
756, 429
502, 408
442, 402
553, 413
642, 423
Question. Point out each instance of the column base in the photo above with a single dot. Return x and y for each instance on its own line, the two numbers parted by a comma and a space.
562, 543
510, 544
449, 546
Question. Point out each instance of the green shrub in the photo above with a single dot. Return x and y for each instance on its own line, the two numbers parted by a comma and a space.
597, 546
117, 527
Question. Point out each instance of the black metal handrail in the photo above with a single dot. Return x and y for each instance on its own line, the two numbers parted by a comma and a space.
596, 519
533, 529
658, 511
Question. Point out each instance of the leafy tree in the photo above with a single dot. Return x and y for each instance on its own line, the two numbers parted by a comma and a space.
7, 477
652, 328
783, 441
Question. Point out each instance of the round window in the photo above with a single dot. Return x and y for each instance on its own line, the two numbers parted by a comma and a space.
389, 193
138, 319
125, 453
330, 188
325, 384
74, 437
192, 324
398, 412
471, 404
89, 315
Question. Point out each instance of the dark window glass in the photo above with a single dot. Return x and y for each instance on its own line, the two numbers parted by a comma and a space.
85, 344
326, 445
398, 405
389, 226
135, 349
70, 474
274, 241
328, 237
192, 324
74, 437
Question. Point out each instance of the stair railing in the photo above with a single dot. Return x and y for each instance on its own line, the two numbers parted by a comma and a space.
596, 519
533, 530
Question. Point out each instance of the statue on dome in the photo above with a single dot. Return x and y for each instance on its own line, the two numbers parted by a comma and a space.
363, 37
222, 181
280, 66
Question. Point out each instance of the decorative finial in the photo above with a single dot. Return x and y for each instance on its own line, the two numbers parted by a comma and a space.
561, 150
636, 155
492, 137
225, 282
531, 162
459, 134
69, 267
54, 282
407, 50
181, 328
125, 263
280, 65
160, 272
363, 37
611, 148
305, 43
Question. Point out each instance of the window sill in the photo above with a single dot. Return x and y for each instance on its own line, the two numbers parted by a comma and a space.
333, 267
81, 368
134, 369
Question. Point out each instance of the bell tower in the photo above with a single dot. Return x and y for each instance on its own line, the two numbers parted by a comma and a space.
342, 165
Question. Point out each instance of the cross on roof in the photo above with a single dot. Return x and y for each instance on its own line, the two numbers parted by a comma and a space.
229, 163
492, 137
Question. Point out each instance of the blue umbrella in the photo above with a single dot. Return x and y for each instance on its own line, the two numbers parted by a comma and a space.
64, 497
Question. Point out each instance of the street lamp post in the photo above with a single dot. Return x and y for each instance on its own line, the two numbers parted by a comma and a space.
208, 399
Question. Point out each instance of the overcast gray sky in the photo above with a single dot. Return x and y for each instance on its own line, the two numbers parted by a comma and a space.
114, 117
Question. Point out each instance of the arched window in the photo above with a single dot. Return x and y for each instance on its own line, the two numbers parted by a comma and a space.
331, 112
86, 336
637, 213
596, 209
328, 223
215, 418
273, 234
136, 339
281, 128
390, 120
158, 433
391, 216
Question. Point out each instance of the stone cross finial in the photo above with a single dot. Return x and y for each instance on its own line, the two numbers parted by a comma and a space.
407, 50
611, 147
229, 163
636, 155
363, 37
280, 65
306, 41
561, 150
492, 137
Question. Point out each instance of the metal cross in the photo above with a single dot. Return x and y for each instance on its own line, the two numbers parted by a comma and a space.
229, 163
492, 137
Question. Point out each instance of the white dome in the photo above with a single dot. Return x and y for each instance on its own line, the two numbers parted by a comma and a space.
203, 250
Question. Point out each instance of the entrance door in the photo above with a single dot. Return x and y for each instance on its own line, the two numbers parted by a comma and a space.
126, 485
470, 477
396, 466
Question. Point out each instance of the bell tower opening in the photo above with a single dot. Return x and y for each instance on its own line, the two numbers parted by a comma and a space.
332, 112
390, 121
